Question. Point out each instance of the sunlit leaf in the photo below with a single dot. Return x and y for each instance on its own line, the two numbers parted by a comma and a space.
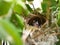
21, 8
4, 7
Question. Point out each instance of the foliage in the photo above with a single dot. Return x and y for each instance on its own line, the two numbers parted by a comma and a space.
18, 7
17, 20
4, 7
15, 23
9, 32
58, 18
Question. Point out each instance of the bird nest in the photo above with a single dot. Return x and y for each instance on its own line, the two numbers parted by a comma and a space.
37, 32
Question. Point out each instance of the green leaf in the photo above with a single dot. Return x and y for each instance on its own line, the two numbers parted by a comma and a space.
20, 21
21, 8
29, 8
58, 22
23, 0
4, 7
49, 3
59, 3
9, 32
53, 2
30, 0
58, 18
17, 20
44, 6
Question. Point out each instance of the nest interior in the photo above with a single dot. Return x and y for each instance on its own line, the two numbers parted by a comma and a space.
36, 18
